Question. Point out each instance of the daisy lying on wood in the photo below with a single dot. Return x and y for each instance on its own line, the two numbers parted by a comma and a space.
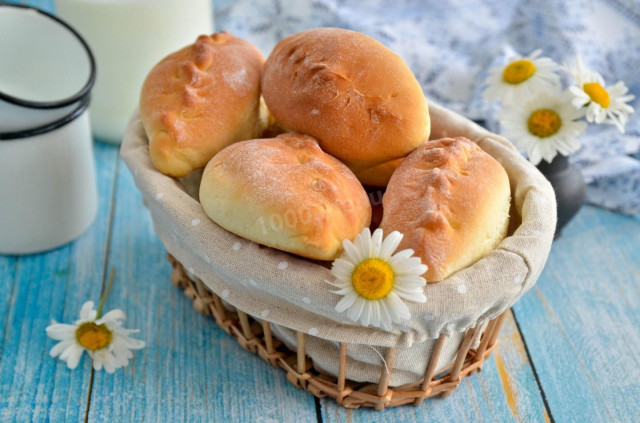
102, 337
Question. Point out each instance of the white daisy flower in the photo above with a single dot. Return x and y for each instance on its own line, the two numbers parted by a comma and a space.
374, 281
521, 78
604, 104
105, 340
544, 126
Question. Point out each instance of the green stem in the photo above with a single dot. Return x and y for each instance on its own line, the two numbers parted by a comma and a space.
112, 276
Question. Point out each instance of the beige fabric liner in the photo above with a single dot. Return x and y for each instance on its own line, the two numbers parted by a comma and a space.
290, 292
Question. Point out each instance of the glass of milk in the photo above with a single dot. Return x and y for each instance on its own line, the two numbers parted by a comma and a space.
128, 37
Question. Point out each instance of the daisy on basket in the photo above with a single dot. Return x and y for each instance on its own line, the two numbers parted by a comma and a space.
374, 280
545, 121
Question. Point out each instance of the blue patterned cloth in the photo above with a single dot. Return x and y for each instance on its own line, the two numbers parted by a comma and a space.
451, 44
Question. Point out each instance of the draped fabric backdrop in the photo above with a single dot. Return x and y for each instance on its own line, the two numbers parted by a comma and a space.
451, 44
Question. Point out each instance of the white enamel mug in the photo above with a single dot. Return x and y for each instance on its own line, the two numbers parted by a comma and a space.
48, 191
46, 68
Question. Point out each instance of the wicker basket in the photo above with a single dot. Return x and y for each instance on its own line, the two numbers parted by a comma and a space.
255, 336
429, 358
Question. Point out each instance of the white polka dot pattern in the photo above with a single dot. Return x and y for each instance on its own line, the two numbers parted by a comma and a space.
283, 265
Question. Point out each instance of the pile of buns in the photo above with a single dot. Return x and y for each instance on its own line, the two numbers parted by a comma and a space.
289, 144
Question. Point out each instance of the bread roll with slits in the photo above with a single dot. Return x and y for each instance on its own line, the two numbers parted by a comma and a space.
350, 92
199, 100
285, 192
451, 201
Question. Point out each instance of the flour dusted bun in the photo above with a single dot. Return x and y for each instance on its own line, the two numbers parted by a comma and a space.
451, 201
354, 95
285, 192
199, 100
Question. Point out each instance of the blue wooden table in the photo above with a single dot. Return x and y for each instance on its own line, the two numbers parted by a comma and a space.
569, 350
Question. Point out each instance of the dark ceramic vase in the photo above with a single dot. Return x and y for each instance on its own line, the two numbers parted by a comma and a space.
569, 185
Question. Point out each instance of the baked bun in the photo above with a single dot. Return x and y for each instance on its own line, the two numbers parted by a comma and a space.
350, 92
451, 201
285, 192
200, 99
378, 175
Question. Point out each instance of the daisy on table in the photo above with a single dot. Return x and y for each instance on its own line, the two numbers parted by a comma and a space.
521, 78
373, 280
543, 126
102, 337
105, 340
604, 104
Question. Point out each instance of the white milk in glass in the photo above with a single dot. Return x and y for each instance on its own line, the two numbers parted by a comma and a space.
127, 38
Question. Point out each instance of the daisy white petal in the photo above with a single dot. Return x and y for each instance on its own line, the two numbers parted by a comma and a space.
87, 312
60, 331
375, 313
113, 315
605, 104
544, 126
61, 346
520, 78
374, 286
410, 281
376, 243
390, 244
343, 291
107, 343
351, 253
385, 316
366, 314
355, 311
364, 243
398, 306
347, 301
73, 358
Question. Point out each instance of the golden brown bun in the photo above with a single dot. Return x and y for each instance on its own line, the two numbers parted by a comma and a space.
285, 192
451, 201
354, 95
378, 175
199, 100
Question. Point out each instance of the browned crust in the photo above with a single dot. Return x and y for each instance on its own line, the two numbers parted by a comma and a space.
286, 193
450, 199
200, 99
354, 95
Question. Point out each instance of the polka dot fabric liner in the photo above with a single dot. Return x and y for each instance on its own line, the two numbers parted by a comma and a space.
290, 292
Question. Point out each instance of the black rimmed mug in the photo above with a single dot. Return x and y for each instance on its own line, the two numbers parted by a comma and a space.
48, 193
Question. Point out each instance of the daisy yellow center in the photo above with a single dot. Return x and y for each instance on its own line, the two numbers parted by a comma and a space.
518, 71
93, 337
372, 279
544, 123
597, 93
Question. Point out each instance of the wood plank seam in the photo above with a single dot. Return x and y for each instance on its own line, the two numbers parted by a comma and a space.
105, 263
533, 368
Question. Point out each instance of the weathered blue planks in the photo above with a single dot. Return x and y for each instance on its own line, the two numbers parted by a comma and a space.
190, 370
504, 391
581, 322
42, 287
